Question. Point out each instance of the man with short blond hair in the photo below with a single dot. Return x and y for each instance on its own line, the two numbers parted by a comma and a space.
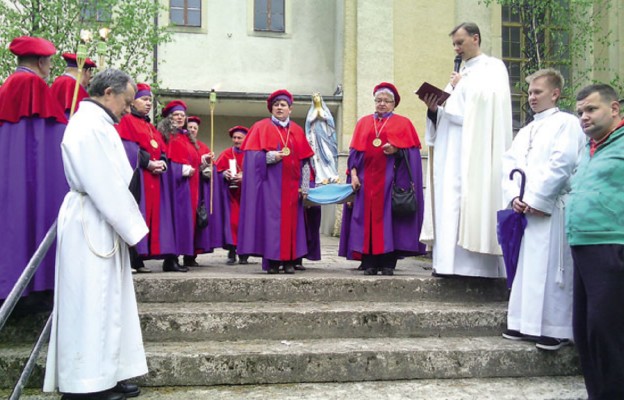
547, 150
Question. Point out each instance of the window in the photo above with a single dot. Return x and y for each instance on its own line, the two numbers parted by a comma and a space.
91, 10
269, 15
185, 12
526, 49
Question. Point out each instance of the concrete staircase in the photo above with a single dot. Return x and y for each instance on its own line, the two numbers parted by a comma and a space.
322, 333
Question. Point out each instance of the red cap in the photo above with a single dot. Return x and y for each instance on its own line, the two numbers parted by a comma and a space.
390, 87
175, 105
194, 119
31, 46
70, 59
238, 128
281, 94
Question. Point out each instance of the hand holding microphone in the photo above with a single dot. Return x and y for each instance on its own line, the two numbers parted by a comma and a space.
455, 76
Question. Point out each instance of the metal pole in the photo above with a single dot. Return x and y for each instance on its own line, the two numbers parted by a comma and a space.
32, 360
29, 272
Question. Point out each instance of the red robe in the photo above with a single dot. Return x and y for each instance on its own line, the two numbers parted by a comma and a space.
234, 194
63, 91
398, 131
137, 129
266, 136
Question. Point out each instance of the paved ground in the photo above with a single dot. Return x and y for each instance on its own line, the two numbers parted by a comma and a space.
213, 264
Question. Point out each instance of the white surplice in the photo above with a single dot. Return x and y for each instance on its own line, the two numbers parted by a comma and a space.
471, 133
96, 336
547, 150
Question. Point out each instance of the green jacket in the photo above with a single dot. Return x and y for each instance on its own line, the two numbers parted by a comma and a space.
595, 208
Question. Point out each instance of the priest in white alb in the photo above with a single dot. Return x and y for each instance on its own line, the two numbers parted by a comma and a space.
547, 150
467, 138
96, 340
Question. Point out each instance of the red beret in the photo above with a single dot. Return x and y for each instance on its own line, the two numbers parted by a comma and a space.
194, 119
31, 46
281, 94
238, 128
390, 87
143, 89
70, 59
175, 105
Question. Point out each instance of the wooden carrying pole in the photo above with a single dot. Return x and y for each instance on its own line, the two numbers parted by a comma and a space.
81, 57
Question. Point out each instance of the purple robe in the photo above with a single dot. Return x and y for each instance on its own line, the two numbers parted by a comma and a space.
224, 198
260, 213
312, 217
180, 195
167, 238
400, 233
32, 190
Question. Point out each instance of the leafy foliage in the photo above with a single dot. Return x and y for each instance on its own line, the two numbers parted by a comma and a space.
567, 35
130, 44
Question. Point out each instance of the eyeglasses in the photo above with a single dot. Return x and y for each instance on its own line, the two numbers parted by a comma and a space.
380, 101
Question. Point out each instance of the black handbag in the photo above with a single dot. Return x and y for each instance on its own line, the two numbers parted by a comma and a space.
135, 185
403, 200
201, 220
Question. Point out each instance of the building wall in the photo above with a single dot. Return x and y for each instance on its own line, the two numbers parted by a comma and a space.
226, 53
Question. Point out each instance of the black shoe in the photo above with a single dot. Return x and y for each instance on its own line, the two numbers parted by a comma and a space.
370, 271
510, 334
360, 267
289, 269
127, 389
171, 265
387, 271
190, 261
231, 261
105, 395
273, 270
550, 343
243, 259
299, 267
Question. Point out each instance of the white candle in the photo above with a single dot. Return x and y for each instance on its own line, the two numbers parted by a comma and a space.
232, 167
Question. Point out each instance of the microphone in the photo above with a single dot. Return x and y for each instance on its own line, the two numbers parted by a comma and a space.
457, 64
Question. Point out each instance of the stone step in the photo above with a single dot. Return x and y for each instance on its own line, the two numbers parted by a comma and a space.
248, 321
266, 320
200, 285
541, 388
337, 360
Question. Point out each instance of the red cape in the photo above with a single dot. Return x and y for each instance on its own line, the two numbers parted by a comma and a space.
203, 148
265, 135
63, 91
398, 130
223, 162
139, 130
25, 94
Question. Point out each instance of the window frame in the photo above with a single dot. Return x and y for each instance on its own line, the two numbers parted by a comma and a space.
269, 29
520, 109
185, 12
